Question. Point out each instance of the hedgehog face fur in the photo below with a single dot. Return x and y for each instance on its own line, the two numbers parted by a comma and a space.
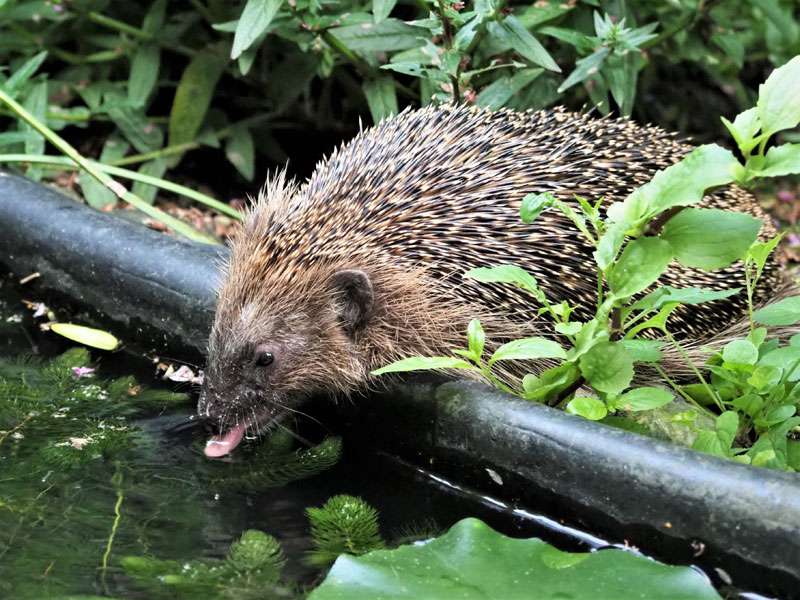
364, 263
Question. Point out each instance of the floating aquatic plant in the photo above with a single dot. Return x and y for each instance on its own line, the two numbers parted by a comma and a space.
344, 525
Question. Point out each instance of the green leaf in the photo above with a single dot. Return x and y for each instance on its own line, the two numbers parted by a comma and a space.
382, 8
568, 328
550, 382
472, 562
389, 35
759, 252
786, 358
588, 408
96, 194
144, 73
523, 42
256, 18
510, 274
740, 352
87, 336
621, 74
23, 74
691, 295
240, 151
648, 351
719, 441
499, 92
528, 349
744, 129
154, 19
780, 161
381, 97
476, 338
644, 398
777, 105
682, 184
533, 205
607, 367
193, 97
639, 266
709, 238
134, 125
585, 68
423, 363
781, 313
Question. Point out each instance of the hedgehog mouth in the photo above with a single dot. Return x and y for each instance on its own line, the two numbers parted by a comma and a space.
226, 442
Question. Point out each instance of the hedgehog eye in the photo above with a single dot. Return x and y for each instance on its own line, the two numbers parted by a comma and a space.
264, 358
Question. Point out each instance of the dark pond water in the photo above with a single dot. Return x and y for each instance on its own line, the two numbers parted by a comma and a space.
67, 524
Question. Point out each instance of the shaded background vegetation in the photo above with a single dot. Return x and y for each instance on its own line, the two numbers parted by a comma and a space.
215, 93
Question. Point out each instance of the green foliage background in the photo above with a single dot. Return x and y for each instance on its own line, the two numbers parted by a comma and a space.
152, 81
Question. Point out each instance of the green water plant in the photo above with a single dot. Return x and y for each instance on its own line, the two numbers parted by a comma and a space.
251, 569
472, 561
344, 525
751, 384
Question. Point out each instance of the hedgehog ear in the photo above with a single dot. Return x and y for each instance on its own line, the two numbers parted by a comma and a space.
356, 298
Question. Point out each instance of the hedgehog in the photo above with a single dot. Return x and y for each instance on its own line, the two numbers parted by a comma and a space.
364, 263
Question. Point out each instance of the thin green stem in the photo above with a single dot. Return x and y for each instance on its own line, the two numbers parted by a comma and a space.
90, 167
112, 535
680, 392
685, 356
63, 163
121, 26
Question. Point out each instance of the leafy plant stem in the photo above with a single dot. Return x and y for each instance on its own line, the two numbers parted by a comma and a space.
91, 168
117, 480
709, 390
64, 163
447, 28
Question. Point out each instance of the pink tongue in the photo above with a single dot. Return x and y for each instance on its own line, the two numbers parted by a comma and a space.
220, 445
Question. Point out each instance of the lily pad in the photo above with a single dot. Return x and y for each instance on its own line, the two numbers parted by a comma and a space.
472, 561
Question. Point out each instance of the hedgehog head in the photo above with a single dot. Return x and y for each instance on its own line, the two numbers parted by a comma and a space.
285, 327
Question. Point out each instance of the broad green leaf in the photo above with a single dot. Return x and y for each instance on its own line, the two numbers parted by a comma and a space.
510, 274
389, 35
154, 19
533, 205
639, 266
499, 92
608, 367
780, 161
143, 134
193, 97
22, 74
523, 42
240, 152
719, 441
621, 74
144, 73
550, 382
381, 97
382, 8
609, 244
786, 358
588, 408
473, 562
709, 238
476, 338
751, 404
87, 336
777, 105
682, 184
568, 328
759, 252
528, 349
744, 129
777, 415
648, 351
691, 295
781, 313
740, 352
256, 18
423, 363
585, 68
644, 398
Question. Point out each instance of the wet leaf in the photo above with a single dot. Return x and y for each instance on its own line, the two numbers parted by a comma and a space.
88, 336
